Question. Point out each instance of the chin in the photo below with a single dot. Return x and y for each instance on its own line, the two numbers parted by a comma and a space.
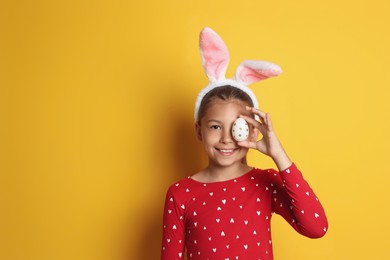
227, 163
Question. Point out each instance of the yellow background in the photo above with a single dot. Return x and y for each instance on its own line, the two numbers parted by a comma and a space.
96, 108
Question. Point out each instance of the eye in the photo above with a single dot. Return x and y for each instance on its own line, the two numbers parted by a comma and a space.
215, 127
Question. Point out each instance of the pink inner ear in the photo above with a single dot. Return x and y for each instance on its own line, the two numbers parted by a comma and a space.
252, 71
249, 75
215, 55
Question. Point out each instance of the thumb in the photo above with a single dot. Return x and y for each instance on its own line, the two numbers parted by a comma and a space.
247, 144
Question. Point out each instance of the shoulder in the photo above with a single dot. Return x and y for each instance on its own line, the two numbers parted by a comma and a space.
265, 173
178, 185
184, 191
279, 178
180, 188
275, 173
267, 177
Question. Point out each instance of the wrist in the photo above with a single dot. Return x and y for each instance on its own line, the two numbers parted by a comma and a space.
282, 161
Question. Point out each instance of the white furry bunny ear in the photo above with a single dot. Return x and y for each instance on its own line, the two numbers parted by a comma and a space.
251, 71
215, 55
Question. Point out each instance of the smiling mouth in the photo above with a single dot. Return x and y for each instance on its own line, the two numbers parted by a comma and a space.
226, 151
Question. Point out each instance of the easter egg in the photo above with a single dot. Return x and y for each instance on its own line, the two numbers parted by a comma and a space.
240, 130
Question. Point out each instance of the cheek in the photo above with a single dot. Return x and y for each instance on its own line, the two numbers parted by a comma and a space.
205, 133
210, 135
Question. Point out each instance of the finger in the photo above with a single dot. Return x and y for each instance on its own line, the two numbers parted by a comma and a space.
256, 111
259, 115
269, 122
247, 144
252, 121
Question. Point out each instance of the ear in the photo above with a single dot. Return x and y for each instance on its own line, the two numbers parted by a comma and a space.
198, 131
215, 55
251, 71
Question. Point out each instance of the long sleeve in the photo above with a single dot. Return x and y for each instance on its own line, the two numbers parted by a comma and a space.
173, 239
296, 202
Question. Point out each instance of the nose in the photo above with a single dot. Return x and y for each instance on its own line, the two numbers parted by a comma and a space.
226, 136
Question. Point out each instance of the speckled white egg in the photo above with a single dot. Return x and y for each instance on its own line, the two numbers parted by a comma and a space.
240, 130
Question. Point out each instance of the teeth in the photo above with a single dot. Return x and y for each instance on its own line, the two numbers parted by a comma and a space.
226, 151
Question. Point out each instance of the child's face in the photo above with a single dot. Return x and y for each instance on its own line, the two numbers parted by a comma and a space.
215, 132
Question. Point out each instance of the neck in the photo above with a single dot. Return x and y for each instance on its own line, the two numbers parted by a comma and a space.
223, 173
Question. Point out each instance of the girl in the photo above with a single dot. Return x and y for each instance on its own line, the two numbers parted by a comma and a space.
224, 210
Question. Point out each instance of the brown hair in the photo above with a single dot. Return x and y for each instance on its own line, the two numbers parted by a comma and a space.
223, 93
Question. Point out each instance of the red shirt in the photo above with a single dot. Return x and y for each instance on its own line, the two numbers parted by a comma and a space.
231, 219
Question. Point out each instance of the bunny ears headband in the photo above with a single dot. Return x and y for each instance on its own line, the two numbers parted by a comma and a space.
215, 59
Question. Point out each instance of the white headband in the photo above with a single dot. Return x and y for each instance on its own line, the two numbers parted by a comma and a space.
215, 59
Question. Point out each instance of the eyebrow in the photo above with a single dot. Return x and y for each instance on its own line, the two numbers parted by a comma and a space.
214, 120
